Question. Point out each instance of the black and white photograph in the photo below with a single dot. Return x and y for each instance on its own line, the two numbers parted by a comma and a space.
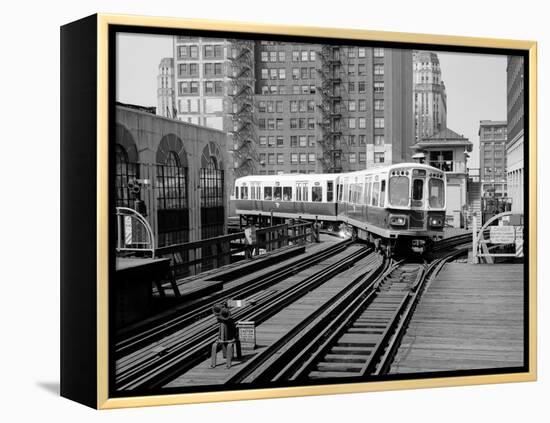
291, 212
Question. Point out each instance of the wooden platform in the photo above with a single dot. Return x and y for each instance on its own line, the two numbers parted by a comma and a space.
279, 324
471, 317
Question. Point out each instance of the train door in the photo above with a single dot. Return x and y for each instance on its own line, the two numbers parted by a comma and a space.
418, 188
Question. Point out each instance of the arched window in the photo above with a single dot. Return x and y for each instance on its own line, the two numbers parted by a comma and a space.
125, 172
172, 183
211, 181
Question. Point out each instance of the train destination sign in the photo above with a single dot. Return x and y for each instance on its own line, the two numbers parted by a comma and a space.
503, 234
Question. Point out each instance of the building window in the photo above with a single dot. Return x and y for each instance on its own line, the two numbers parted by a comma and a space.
378, 157
271, 141
280, 158
312, 56
264, 56
378, 87
362, 105
362, 86
311, 141
265, 74
194, 52
279, 123
183, 52
303, 158
293, 141
271, 124
282, 73
379, 123
302, 104
351, 70
362, 140
311, 123
295, 56
351, 87
351, 123
351, 139
378, 104
362, 157
273, 73
362, 123
295, 73
261, 123
379, 140
279, 106
378, 52
302, 123
351, 105
303, 141
280, 141
311, 105
125, 172
379, 69
305, 56
351, 52
293, 123
282, 56
271, 158
311, 157
263, 141
294, 106
273, 56
352, 158
294, 158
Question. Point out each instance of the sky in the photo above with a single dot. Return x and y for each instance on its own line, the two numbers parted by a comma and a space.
475, 83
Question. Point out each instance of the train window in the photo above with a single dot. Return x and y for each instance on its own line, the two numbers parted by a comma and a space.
369, 188
244, 193
437, 193
340, 192
317, 194
258, 192
277, 194
252, 193
375, 188
330, 188
287, 193
298, 192
236, 193
399, 191
418, 189
268, 192
305, 193
382, 193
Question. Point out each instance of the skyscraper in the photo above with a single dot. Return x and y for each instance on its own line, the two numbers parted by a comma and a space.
166, 105
430, 97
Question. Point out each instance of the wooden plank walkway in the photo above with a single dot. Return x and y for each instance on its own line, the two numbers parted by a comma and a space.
279, 324
470, 317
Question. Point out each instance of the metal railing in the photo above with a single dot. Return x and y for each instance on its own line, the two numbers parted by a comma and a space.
134, 234
195, 257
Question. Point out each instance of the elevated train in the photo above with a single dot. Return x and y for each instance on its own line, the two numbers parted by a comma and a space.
397, 206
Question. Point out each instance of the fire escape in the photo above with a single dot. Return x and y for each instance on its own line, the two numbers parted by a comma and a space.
330, 108
242, 96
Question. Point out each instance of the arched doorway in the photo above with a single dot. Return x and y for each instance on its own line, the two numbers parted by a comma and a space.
172, 192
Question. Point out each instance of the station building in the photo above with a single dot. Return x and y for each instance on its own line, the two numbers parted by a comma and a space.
448, 151
180, 169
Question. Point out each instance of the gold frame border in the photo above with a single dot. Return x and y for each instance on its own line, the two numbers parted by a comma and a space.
103, 21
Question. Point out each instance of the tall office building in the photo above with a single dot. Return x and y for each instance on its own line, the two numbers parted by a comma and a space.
166, 105
492, 160
430, 97
297, 107
514, 143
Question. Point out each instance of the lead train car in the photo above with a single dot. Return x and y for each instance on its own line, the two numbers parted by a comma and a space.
398, 205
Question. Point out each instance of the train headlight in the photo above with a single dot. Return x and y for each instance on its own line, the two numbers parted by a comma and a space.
436, 221
398, 220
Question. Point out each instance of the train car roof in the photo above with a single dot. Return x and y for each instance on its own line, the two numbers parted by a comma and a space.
290, 177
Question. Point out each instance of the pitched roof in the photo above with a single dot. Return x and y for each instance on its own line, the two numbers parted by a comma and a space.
446, 136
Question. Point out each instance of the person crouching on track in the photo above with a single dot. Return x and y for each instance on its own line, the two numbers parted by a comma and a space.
227, 336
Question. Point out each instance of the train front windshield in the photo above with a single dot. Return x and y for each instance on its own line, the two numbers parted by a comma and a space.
436, 193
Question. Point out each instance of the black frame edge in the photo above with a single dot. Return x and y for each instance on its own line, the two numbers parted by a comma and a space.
78, 210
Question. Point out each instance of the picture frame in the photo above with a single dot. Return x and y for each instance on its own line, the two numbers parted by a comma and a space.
89, 111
